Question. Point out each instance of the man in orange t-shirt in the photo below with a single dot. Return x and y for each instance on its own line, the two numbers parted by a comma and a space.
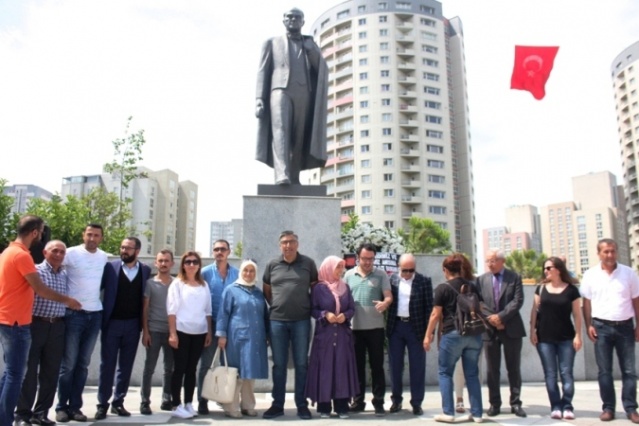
18, 281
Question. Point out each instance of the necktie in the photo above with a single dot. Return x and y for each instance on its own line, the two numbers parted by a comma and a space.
496, 290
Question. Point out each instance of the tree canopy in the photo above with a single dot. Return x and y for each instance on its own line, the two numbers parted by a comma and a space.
527, 263
425, 236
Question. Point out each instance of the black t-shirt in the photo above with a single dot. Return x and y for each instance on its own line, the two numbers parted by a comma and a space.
553, 319
446, 297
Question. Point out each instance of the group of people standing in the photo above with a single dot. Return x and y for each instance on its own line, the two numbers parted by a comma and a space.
79, 296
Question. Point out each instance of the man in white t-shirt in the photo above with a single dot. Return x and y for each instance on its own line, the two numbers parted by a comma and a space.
84, 265
610, 294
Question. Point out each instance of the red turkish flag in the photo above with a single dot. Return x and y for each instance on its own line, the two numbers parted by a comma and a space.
532, 68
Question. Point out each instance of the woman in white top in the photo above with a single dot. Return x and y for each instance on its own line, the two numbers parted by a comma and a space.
188, 305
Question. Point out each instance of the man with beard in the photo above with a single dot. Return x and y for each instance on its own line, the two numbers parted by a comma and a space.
123, 283
217, 275
18, 281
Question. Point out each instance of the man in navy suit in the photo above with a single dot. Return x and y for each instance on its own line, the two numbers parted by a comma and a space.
123, 283
503, 296
405, 327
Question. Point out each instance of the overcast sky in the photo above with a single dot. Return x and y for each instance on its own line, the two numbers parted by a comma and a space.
72, 71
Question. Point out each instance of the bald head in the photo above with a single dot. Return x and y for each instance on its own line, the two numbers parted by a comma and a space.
407, 266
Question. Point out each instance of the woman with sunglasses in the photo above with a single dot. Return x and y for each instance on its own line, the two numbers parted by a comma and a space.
553, 333
188, 305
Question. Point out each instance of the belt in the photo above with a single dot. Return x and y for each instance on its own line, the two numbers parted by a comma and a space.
403, 319
47, 319
614, 323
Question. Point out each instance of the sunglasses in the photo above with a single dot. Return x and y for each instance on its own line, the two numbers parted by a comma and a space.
192, 262
408, 271
222, 249
548, 268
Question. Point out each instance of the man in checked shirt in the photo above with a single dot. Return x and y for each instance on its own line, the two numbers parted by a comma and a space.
47, 342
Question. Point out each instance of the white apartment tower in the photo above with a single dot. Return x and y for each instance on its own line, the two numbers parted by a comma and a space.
398, 129
625, 78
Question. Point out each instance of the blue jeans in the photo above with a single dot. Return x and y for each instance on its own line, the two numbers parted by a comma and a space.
403, 337
620, 338
562, 355
16, 341
468, 348
284, 334
82, 329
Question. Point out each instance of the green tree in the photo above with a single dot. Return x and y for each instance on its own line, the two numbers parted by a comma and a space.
527, 263
352, 222
237, 251
8, 220
425, 236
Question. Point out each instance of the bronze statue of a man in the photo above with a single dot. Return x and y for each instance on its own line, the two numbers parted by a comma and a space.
291, 102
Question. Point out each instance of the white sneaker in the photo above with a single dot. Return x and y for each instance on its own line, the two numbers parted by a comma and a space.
181, 412
190, 409
444, 418
325, 415
479, 419
569, 415
555, 414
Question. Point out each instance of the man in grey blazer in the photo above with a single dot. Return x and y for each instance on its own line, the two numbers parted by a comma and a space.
292, 84
503, 295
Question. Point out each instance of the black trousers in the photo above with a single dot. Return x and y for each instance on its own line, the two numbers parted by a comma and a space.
43, 368
185, 359
512, 355
371, 341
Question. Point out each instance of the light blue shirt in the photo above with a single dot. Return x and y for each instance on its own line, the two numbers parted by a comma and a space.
131, 272
217, 284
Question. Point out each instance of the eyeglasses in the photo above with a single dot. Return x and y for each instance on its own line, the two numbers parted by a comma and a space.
194, 262
288, 242
408, 271
366, 259
222, 249
126, 248
548, 268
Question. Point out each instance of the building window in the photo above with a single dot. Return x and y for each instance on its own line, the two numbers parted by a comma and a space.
363, 133
366, 193
436, 134
387, 162
343, 14
432, 104
403, 5
387, 146
361, 35
366, 164
388, 177
436, 164
427, 22
436, 194
384, 60
437, 209
442, 225
433, 119
363, 76
435, 148
436, 179
389, 193
387, 116
430, 76
386, 131
385, 73
363, 90
366, 209
363, 104
386, 102
389, 208
365, 148
364, 119
366, 178
383, 32
363, 62
383, 45
431, 90
361, 8
389, 224
430, 62
429, 36
383, 18
363, 48
362, 21
427, 9
386, 87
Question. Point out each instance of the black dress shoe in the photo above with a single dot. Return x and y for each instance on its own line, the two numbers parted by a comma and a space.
357, 407
78, 416
203, 407
120, 411
21, 422
418, 411
41, 420
167, 406
395, 408
518, 411
145, 409
101, 412
493, 411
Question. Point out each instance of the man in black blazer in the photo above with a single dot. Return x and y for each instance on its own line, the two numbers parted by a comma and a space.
503, 295
405, 327
123, 284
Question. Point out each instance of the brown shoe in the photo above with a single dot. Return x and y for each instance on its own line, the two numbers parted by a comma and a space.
633, 417
607, 416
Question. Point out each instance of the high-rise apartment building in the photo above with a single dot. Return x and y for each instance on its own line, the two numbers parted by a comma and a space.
164, 209
573, 228
22, 194
398, 128
625, 76
230, 231
522, 231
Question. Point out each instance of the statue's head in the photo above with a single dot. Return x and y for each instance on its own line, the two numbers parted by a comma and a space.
293, 20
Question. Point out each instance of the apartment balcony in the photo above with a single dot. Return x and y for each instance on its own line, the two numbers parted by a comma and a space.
407, 137
410, 168
408, 123
348, 186
344, 100
409, 153
404, 52
407, 214
347, 203
406, 66
411, 183
404, 25
343, 72
327, 177
341, 47
407, 80
344, 59
408, 107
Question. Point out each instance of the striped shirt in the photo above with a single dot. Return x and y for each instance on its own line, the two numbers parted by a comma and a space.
56, 281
